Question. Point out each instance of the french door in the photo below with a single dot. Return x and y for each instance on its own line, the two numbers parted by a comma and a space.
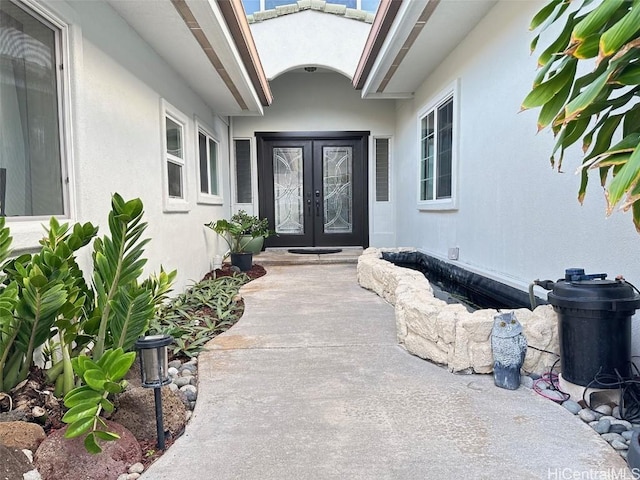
313, 188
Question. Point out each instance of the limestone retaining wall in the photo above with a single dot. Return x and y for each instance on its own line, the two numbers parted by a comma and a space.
447, 333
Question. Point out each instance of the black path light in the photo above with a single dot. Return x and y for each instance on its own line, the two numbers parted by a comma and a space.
154, 360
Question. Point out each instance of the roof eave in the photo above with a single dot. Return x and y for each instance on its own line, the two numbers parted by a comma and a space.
234, 16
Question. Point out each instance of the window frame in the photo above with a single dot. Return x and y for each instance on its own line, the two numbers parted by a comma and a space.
208, 198
451, 92
63, 42
175, 204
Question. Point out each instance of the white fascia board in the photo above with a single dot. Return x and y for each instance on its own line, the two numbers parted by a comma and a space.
214, 26
406, 18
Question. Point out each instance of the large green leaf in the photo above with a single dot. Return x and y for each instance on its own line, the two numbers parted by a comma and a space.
546, 91
595, 20
626, 178
621, 32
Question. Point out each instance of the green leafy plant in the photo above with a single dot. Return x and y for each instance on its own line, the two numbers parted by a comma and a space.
50, 292
254, 226
203, 311
600, 108
86, 403
238, 231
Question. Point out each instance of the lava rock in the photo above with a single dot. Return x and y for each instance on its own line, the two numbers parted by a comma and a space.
59, 457
13, 463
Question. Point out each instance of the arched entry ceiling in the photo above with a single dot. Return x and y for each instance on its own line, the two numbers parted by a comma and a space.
310, 38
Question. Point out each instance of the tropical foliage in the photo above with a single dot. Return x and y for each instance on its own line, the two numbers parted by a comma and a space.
200, 313
86, 331
588, 91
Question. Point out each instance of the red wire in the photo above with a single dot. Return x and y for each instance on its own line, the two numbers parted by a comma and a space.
550, 380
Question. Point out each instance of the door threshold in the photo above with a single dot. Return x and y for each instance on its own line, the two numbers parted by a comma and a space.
281, 256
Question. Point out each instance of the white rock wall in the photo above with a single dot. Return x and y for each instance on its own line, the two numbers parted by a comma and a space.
448, 334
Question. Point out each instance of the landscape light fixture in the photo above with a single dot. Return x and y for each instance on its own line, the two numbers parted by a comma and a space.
154, 368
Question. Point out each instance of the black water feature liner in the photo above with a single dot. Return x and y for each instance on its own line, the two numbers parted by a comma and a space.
462, 286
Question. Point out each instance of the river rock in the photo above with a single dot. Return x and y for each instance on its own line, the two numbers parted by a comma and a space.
602, 426
604, 409
586, 415
572, 406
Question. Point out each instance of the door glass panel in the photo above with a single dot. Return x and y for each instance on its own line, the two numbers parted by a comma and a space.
337, 180
287, 189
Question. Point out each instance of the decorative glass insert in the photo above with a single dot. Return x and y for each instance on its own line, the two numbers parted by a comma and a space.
436, 157
31, 168
243, 171
337, 166
287, 189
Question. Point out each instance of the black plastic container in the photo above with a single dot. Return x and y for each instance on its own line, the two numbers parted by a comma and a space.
594, 326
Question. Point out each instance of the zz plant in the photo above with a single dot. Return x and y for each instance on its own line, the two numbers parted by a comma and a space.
87, 402
44, 297
588, 91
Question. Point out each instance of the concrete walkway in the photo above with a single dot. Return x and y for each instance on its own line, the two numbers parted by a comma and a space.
310, 384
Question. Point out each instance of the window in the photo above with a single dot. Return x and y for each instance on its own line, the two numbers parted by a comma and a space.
382, 169
208, 168
33, 175
242, 150
437, 153
175, 155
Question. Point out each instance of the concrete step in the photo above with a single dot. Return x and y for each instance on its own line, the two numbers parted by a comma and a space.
281, 256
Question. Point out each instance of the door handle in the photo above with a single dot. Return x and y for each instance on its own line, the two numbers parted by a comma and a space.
309, 206
317, 208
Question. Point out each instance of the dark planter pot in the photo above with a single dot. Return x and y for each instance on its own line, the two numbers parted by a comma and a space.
633, 457
243, 261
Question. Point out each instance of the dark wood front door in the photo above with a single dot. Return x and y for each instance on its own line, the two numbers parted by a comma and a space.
313, 188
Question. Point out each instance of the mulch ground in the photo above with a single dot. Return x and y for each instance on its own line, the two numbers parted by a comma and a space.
256, 271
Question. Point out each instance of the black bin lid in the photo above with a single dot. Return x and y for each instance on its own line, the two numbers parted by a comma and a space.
594, 293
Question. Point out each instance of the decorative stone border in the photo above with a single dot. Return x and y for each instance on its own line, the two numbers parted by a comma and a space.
447, 333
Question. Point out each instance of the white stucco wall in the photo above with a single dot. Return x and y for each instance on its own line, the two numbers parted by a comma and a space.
310, 38
327, 102
517, 219
117, 82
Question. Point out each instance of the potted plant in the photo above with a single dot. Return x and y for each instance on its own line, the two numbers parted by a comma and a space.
255, 231
239, 232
